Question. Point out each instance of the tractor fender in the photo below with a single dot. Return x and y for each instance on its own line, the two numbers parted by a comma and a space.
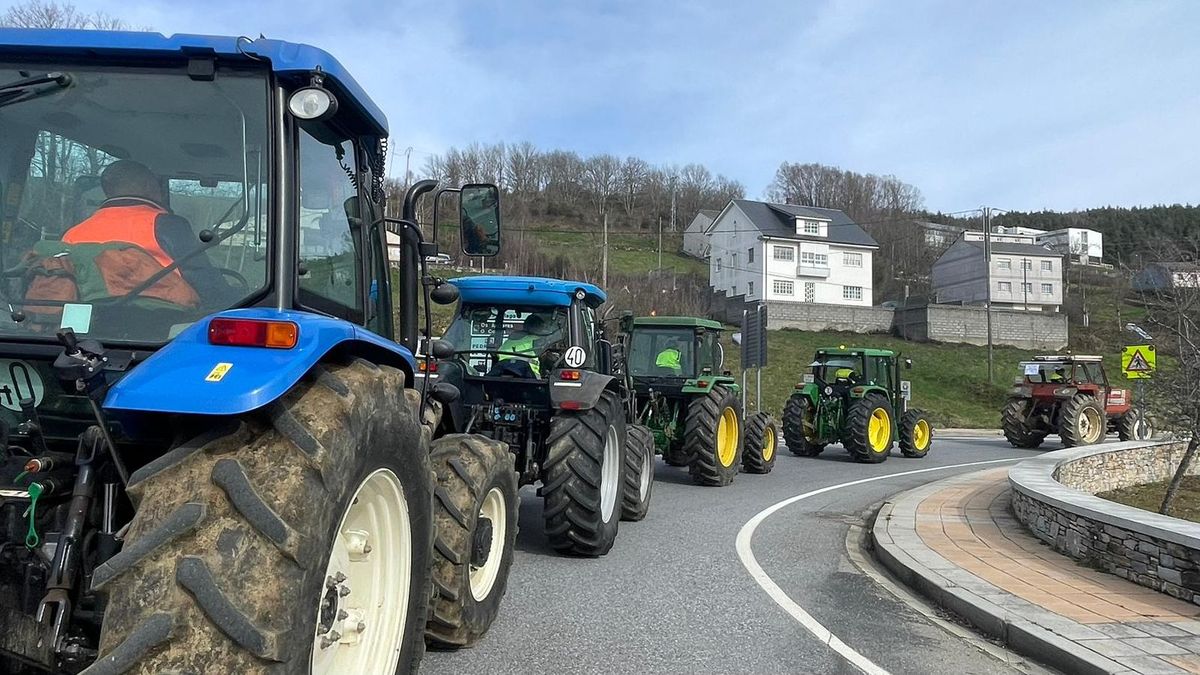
580, 394
191, 376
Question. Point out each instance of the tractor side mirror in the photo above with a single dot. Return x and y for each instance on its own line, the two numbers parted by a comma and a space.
444, 294
441, 349
604, 357
720, 356
479, 219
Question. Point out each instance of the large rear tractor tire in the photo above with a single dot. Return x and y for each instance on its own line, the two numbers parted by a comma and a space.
762, 441
1134, 426
1082, 422
796, 413
584, 477
1014, 421
475, 511
293, 541
868, 432
916, 434
713, 437
639, 473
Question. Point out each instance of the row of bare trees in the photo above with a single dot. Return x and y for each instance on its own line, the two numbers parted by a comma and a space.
39, 14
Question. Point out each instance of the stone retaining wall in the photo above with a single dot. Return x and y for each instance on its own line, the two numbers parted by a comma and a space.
1054, 496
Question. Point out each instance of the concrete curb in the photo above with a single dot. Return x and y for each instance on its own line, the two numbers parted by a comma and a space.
1022, 626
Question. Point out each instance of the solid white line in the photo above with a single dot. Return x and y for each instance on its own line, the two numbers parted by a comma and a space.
790, 606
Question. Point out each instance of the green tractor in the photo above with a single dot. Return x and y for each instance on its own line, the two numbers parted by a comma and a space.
691, 404
853, 396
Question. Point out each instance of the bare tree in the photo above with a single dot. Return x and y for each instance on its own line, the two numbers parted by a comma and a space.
39, 14
600, 178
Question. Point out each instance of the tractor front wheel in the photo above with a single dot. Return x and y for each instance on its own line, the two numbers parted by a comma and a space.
296, 540
639, 473
1082, 422
1134, 426
713, 437
916, 434
1014, 420
584, 477
798, 416
475, 511
868, 432
761, 441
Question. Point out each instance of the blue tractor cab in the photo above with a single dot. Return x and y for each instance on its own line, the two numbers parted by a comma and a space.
200, 338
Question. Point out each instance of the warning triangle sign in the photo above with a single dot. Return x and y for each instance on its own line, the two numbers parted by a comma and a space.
1138, 363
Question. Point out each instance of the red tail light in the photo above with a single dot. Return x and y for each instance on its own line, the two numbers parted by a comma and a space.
570, 375
702, 383
253, 333
427, 366
570, 405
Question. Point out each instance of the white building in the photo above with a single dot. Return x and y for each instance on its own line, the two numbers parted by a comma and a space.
1023, 275
781, 252
1077, 243
695, 236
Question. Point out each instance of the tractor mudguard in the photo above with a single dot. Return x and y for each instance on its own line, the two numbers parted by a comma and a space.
580, 394
191, 376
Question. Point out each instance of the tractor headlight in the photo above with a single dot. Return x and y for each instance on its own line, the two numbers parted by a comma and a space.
828, 391
1065, 392
312, 103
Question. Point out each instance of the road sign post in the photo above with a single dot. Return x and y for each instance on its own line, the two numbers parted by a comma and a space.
754, 350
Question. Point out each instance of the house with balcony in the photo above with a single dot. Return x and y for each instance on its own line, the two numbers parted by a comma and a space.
788, 253
1021, 274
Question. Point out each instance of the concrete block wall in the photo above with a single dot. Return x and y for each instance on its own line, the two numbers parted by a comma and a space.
813, 316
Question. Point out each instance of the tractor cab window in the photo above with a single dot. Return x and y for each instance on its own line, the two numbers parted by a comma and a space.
840, 370
882, 375
486, 335
133, 202
1047, 372
667, 352
1088, 373
330, 236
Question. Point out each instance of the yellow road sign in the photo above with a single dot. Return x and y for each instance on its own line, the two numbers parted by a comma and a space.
1138, 361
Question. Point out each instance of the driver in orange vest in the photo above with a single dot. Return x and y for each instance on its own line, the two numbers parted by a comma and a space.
134, 212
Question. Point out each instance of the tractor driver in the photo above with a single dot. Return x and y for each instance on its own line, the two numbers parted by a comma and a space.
670, 357
1059, 375
134, 212
525, 344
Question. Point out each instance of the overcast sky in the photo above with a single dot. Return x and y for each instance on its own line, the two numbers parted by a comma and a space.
1019, 105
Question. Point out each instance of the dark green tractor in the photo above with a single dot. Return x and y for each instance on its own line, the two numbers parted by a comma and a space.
690, 403
855, 397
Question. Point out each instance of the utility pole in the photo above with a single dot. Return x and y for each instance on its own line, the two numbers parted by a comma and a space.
673, 181
604, 273
660, 242
987, 261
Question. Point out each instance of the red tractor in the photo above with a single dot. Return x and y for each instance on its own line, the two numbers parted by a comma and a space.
1069, 396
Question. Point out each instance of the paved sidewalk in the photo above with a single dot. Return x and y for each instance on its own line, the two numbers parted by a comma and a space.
957, 541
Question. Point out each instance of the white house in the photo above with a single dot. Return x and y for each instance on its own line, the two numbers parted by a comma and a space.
1167, 276
695, 236
781, 252
1078, 243
1023, 275
938, 235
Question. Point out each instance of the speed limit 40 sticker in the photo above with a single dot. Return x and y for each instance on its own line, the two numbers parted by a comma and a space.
19, 380
575, 357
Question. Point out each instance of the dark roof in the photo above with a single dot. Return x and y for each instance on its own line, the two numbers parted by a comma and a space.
1016, 249
711, 213
778, 220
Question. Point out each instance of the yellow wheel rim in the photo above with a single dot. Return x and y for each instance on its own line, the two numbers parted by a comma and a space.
768, 449
879, 430
727, 437
921, 435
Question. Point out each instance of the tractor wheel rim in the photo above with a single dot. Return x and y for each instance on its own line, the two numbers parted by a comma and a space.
921, 435
879, 430
610, 474
1089, 426
363, 607
483, 578
768, 450
727, 437
647, 472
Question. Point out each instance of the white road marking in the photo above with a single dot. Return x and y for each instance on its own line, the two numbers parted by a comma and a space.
790, 606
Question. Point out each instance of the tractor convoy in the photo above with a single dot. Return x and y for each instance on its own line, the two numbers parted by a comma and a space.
229, 440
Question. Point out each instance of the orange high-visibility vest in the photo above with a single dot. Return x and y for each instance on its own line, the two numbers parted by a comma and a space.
122, 224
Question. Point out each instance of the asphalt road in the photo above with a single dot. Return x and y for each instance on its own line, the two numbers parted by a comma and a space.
674, 597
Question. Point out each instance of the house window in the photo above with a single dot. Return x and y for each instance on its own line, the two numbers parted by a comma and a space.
1047, 289
810, 259
852, 259
1026, 265
1047, 266
810, 291
812, 227
733, 263
1003, 264
781, 287
1005, 287
735, 289
1027, 287
750, 290
852, 293
750, 255
784, 253
718, 264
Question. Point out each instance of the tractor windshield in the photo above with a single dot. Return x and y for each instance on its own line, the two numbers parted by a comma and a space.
485, 335
838, 369
663, 352
133, 201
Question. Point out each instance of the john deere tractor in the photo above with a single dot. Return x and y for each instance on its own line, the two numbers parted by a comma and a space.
212, 455
690, 404
855, 397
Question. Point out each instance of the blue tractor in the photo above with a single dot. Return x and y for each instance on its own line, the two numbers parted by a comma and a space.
214, 458
535, 371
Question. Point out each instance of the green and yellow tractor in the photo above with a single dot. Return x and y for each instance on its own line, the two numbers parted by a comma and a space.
856, 397
690, 403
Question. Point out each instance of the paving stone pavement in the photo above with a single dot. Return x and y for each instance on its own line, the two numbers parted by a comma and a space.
957, 541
